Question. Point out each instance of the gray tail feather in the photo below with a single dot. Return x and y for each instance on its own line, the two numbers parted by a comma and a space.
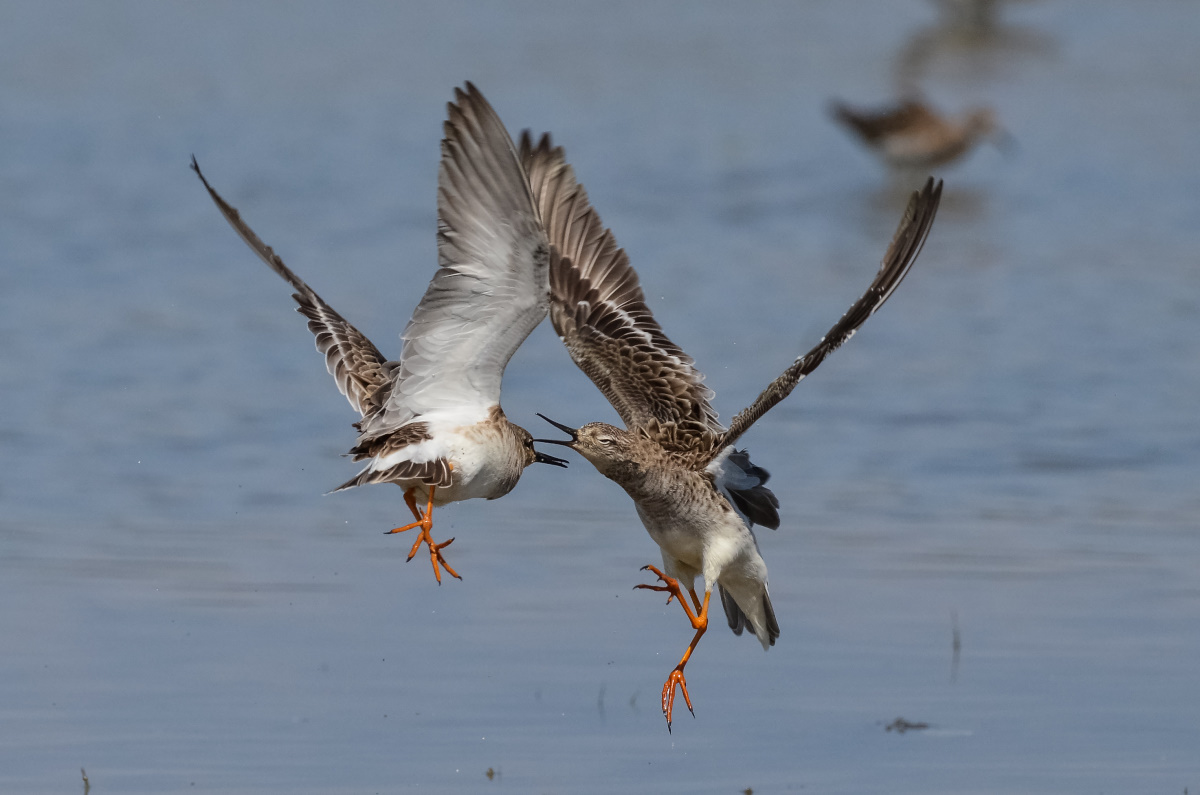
734, 614
758, 503
738, 621
772, 623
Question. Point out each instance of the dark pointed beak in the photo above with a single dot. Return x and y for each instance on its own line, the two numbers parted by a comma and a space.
542, 458
564, 428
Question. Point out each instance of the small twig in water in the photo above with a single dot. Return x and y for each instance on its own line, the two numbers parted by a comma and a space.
955, 645
900, 726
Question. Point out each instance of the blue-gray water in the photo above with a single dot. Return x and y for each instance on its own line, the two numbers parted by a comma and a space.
1010, 447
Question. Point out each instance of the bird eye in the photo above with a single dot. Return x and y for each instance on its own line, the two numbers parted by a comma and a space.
605, 440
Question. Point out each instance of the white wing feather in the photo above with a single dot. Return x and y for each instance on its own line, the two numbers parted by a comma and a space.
492, 284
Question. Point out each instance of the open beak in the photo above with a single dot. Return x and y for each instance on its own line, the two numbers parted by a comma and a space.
542, 458
564, 428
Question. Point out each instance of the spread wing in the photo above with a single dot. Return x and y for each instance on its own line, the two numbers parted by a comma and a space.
598, 308
357, 366
906, 245
492, 284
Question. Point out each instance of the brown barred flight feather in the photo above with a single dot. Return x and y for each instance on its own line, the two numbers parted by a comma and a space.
354, 362
599, 310
901, 254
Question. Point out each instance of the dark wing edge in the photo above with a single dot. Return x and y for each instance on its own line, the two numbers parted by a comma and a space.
901, 254
357, 366
598, 309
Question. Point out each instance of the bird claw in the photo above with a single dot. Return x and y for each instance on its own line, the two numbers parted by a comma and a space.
436, 555
671, 587
668, 695
669, 592
435, 550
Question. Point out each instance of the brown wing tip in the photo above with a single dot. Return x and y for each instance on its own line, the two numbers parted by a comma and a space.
462, 97
923, 204
469, 107
195, 166
229, 211
471, 116
544, 146
908, 241
470, 101
930, 191
918, 213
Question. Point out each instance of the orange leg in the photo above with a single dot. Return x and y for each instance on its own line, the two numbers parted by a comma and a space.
411, 500
699, 621
425, 522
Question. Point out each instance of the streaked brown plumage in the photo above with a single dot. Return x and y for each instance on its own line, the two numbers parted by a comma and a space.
696, 495
912, 135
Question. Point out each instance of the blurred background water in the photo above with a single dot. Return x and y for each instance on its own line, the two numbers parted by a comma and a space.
1007, 454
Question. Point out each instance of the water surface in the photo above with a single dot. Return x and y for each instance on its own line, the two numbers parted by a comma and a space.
1007, 452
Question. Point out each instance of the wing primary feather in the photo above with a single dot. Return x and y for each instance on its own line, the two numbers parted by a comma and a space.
357, 366
599, 310
905, 246
491, 287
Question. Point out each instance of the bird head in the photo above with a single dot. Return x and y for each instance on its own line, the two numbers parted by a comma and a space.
608, 448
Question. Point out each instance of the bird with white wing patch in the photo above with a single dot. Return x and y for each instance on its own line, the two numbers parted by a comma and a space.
431, 420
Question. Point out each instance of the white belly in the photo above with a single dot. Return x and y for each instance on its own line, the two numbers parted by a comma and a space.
715, 545
483, 463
